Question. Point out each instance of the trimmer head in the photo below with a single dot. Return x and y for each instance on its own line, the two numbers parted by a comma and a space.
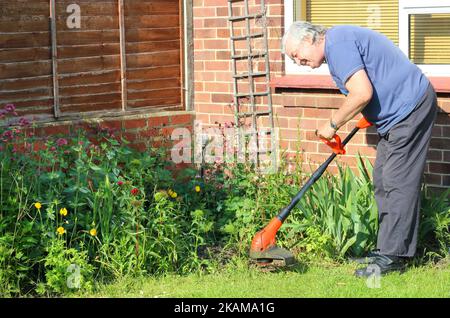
263, 249
278, 255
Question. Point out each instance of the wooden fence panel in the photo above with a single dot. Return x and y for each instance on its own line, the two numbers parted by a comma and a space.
89, 57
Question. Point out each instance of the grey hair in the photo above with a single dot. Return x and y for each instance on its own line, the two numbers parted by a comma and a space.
301, 30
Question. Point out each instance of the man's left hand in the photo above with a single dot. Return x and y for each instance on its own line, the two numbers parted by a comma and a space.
325, 131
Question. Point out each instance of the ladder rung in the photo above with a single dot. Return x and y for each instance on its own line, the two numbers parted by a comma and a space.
256, 114
242, 75
244, 37
252, 94
244, 17
245, 56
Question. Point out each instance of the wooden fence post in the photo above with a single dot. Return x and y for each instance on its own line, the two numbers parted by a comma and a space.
54, 59
123, 57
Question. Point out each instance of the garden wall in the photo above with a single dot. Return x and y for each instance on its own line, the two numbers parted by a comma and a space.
301, 103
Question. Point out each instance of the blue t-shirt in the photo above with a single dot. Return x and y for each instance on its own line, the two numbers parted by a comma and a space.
397, 83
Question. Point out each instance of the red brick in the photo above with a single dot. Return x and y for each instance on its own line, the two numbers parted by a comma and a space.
181, 119
223, 55
217, 65
204, 55
204, 12
222, 98
139, 146
442, 168
308, 146
435, 155
446, 181
158, 121
201, 97
204, 76
433, 178
129, 136
305, 101
223, 34
135, 123
446, 156
289, 111
149, 133
446, 131
437, 131
215, 23
214, 3
443, 119
439, 143
222, 12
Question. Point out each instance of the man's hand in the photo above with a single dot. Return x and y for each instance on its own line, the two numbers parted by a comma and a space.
326, 131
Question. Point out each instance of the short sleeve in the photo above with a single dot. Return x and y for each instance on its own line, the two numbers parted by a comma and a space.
344, 60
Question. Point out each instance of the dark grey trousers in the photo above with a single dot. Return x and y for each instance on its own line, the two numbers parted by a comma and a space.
397, 178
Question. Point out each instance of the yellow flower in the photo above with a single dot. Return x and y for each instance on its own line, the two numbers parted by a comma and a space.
63, 211
93, 232
60, 230
37, 205
172, 194
197, 189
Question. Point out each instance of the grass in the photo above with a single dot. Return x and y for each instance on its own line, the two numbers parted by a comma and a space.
324, 280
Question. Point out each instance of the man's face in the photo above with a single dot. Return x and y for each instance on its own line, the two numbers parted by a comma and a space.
306, 53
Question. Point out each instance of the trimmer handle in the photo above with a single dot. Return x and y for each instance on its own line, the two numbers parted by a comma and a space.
338, 145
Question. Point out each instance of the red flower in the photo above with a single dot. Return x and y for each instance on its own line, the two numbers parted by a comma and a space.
135, 191
119, 183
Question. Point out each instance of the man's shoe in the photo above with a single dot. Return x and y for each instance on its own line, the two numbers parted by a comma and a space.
382, 264
370, 258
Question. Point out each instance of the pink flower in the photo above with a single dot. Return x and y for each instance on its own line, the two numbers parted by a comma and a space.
53, 148
119, 183
24, 122
61, 142
10, 108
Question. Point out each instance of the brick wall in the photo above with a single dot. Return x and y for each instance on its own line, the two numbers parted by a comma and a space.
298, 111
142, 130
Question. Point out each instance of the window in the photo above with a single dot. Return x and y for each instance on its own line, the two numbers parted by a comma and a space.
422, 31
424, 34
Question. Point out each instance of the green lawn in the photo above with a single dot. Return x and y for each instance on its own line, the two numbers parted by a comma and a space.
326, 280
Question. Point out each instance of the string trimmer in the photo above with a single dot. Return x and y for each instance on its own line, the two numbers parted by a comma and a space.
263, 248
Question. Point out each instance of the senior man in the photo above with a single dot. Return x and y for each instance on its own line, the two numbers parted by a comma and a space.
379, 81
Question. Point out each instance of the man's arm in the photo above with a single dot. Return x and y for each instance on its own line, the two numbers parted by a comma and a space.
360, 94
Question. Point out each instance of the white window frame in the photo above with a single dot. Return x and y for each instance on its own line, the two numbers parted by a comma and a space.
408, 7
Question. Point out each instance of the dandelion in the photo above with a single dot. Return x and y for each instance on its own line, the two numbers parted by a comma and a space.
60, 230
134, 191
38, 205
63, 212
93, 232
197, 189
